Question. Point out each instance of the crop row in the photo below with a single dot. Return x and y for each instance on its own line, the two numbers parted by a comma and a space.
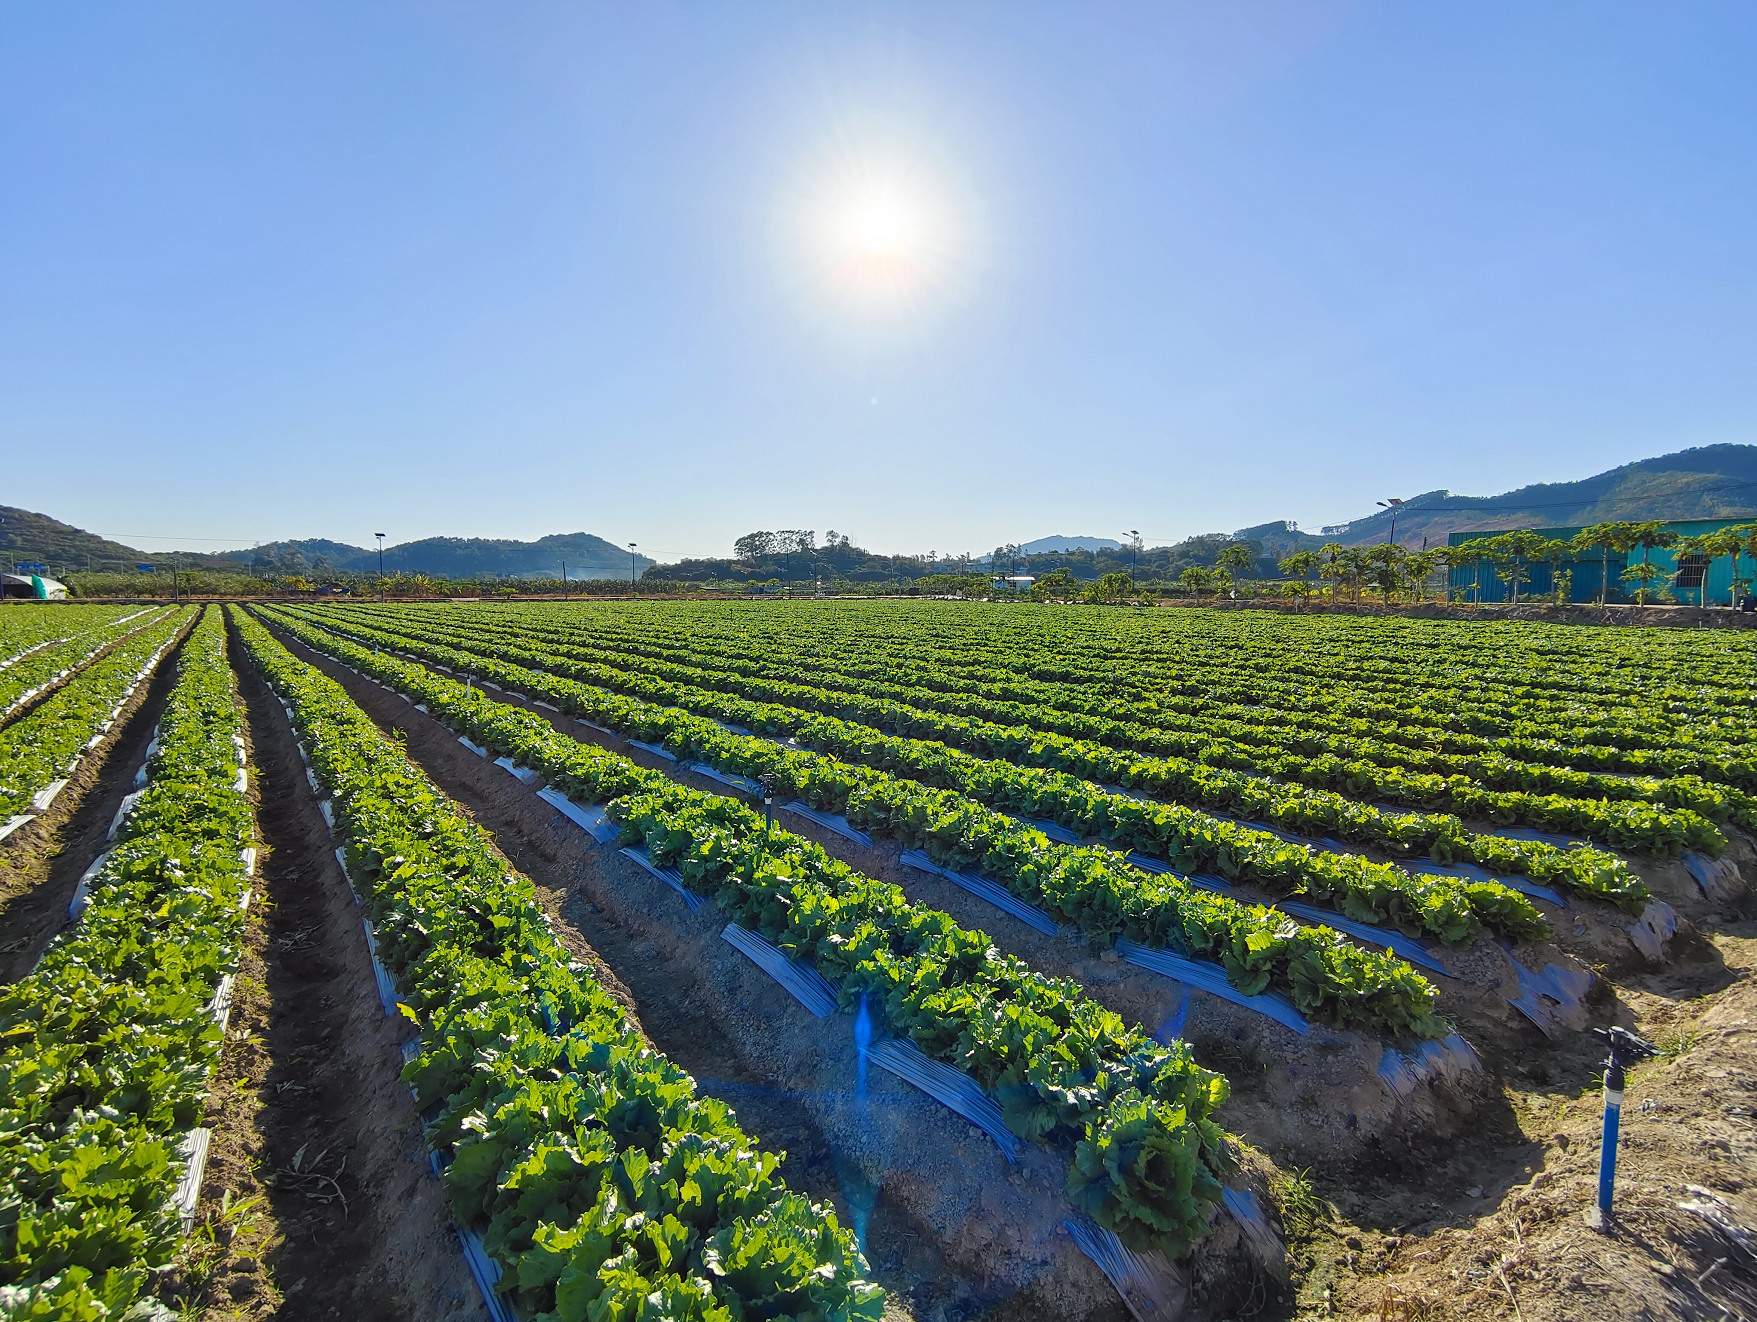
1125, 709
24, 628
1626, 738
31, 675
1570, 667
106, 1046
870, 776
1328, 978
45, 744
1242, 738
1060, 1066
603, 1177
1660, 832
1291, 808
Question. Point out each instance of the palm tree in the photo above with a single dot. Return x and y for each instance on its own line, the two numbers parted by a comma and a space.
1354, 563
1195, 578
1300, 565
1729, 541
1236, 559
1647, 536
1552, 552
1420, 566
1332, 562
1385, 561
1509, 552
1476, 550
1604, 538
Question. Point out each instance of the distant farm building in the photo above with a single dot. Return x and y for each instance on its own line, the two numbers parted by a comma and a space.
1476, 580
33, 586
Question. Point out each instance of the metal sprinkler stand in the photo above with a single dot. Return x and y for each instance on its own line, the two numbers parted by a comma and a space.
1626, 1050
768, 781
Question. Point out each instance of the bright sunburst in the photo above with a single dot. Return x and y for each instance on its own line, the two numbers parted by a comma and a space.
878, 225
881, 229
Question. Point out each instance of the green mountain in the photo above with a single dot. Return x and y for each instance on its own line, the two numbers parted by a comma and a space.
29, 537
461, 558
32, 538
1710, 482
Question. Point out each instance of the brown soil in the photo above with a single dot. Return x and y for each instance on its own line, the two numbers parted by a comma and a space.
1415, 1243
42, 861
318, 1200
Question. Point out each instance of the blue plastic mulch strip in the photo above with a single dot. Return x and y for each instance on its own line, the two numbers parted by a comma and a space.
1402, 1071
1146, 1281
477, 749
485, 1273
1414, 951
387, 987
984, 889
590, 818
807, 986
593, 725
524, 774
1211, 978
1054, 830
744, 783
1207, 881
1470, 872
951, 1088
670, 876
654, 749
829, 821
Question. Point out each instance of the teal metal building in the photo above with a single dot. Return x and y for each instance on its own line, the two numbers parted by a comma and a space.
1476, 580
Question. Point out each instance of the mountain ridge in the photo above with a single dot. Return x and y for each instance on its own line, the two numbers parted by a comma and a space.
1704, 482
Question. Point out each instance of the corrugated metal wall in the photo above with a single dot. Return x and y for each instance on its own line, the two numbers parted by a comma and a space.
1477, 581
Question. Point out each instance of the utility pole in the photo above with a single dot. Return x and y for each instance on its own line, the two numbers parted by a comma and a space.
631, 564
380, 537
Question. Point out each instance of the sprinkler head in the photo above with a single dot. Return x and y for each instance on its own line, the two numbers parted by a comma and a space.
1625, 1047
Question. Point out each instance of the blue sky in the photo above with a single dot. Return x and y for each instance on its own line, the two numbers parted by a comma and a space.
278, 270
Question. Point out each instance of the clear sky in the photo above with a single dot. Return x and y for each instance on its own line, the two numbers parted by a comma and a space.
935, 276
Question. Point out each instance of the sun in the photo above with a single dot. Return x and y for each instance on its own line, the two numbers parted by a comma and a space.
878, 226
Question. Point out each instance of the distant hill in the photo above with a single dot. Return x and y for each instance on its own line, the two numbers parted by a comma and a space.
26, 536
1714, 481
1046, 545
585, 555
36, 538
1710, 482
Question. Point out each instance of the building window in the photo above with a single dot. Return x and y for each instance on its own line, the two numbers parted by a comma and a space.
1691, 569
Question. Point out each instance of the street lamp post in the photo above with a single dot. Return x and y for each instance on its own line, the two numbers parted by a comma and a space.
1134, 541
631, 564
1393, 505
380, 537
